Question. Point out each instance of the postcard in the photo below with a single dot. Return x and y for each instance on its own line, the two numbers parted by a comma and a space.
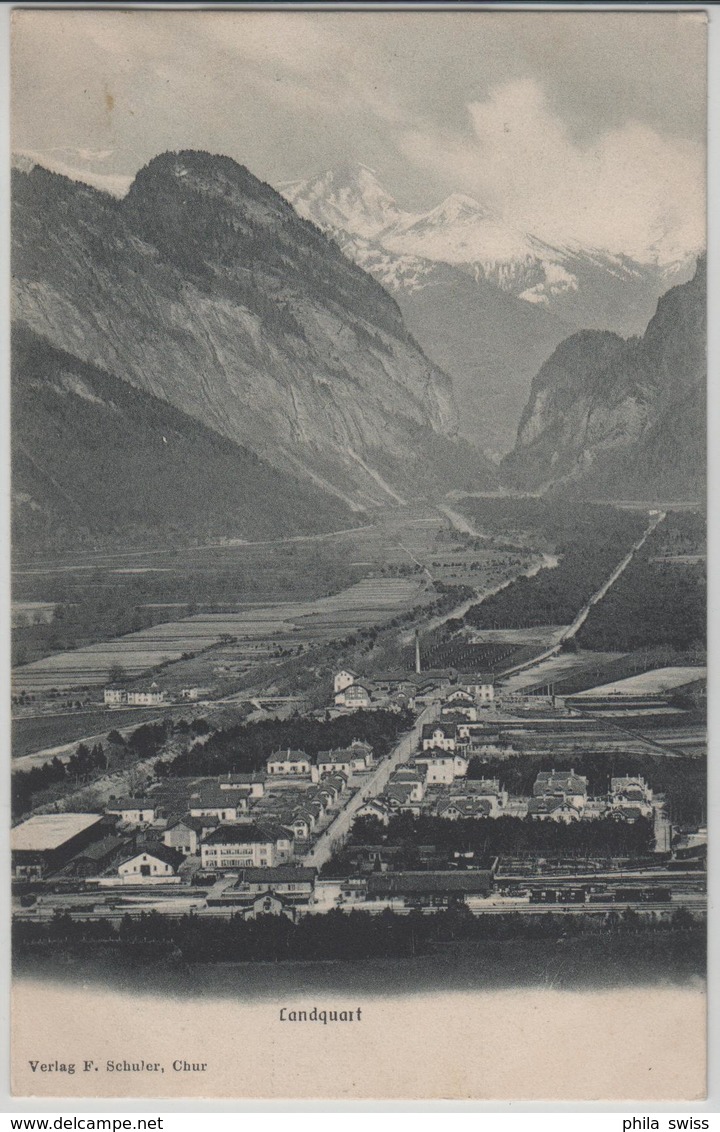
359, 554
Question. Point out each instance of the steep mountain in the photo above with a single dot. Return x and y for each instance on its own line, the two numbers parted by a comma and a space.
204, 288
622, 418
97, 462
487, 302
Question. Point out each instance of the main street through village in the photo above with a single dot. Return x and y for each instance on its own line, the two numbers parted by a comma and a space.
337, 831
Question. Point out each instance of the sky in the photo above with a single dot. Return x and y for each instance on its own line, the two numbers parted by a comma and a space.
580, 125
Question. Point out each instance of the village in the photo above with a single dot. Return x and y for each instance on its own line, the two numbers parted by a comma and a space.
340, 828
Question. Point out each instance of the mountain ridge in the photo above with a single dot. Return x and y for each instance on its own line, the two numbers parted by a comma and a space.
519, 296
621, 417
203, 287
98, 462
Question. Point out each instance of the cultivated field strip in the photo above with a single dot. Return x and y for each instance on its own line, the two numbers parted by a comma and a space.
264, 628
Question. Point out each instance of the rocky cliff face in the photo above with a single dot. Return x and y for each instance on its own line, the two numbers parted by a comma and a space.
622, 418
204, 288
487, 302
98, 463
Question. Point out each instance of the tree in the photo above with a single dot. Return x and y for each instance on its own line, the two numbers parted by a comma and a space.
117, 674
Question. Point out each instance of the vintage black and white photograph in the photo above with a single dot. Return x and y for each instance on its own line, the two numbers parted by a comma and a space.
358, 401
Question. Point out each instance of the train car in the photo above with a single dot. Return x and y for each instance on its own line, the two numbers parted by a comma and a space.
573, 895
642, 895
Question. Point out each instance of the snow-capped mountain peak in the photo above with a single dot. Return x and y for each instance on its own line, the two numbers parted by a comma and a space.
349, 199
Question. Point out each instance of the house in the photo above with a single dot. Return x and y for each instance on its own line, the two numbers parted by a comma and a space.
556, 808
442, 767
398, 796
133, 811
302, 824
343, 679
148, 697
439, 736
407, 772
355, 696
150, 863
253, 783
413, 781
289, 762
333, 762
485, 788
454, 808
456, 710
361, 750
248, 845
194, 693
376, 809
338, 781
46, 842
561, 783
460, 696
629, 813
631, 797
294, 884
212, 802
630, 789
114, 695
480, 685
317, 803
325, 795
185, 834
269, 905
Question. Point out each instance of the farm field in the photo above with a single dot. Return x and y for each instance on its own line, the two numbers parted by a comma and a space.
259, 631
38, 732
275, 598
567, 736
678, 731
650, 683
554, 668
540, 635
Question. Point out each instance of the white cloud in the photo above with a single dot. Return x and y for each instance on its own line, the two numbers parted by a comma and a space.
630, 190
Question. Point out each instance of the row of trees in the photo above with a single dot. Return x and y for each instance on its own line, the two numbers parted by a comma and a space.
246, 746
144, 743
490, 837
78, 769
337, 935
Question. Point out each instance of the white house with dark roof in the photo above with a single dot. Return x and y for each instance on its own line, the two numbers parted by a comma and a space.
331, 763
133, 811
246, 845
150, 863
555, 808
374, 808
481, 685
564, 784
442, 767
452, 808
439, 736
289, 763
212, 802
